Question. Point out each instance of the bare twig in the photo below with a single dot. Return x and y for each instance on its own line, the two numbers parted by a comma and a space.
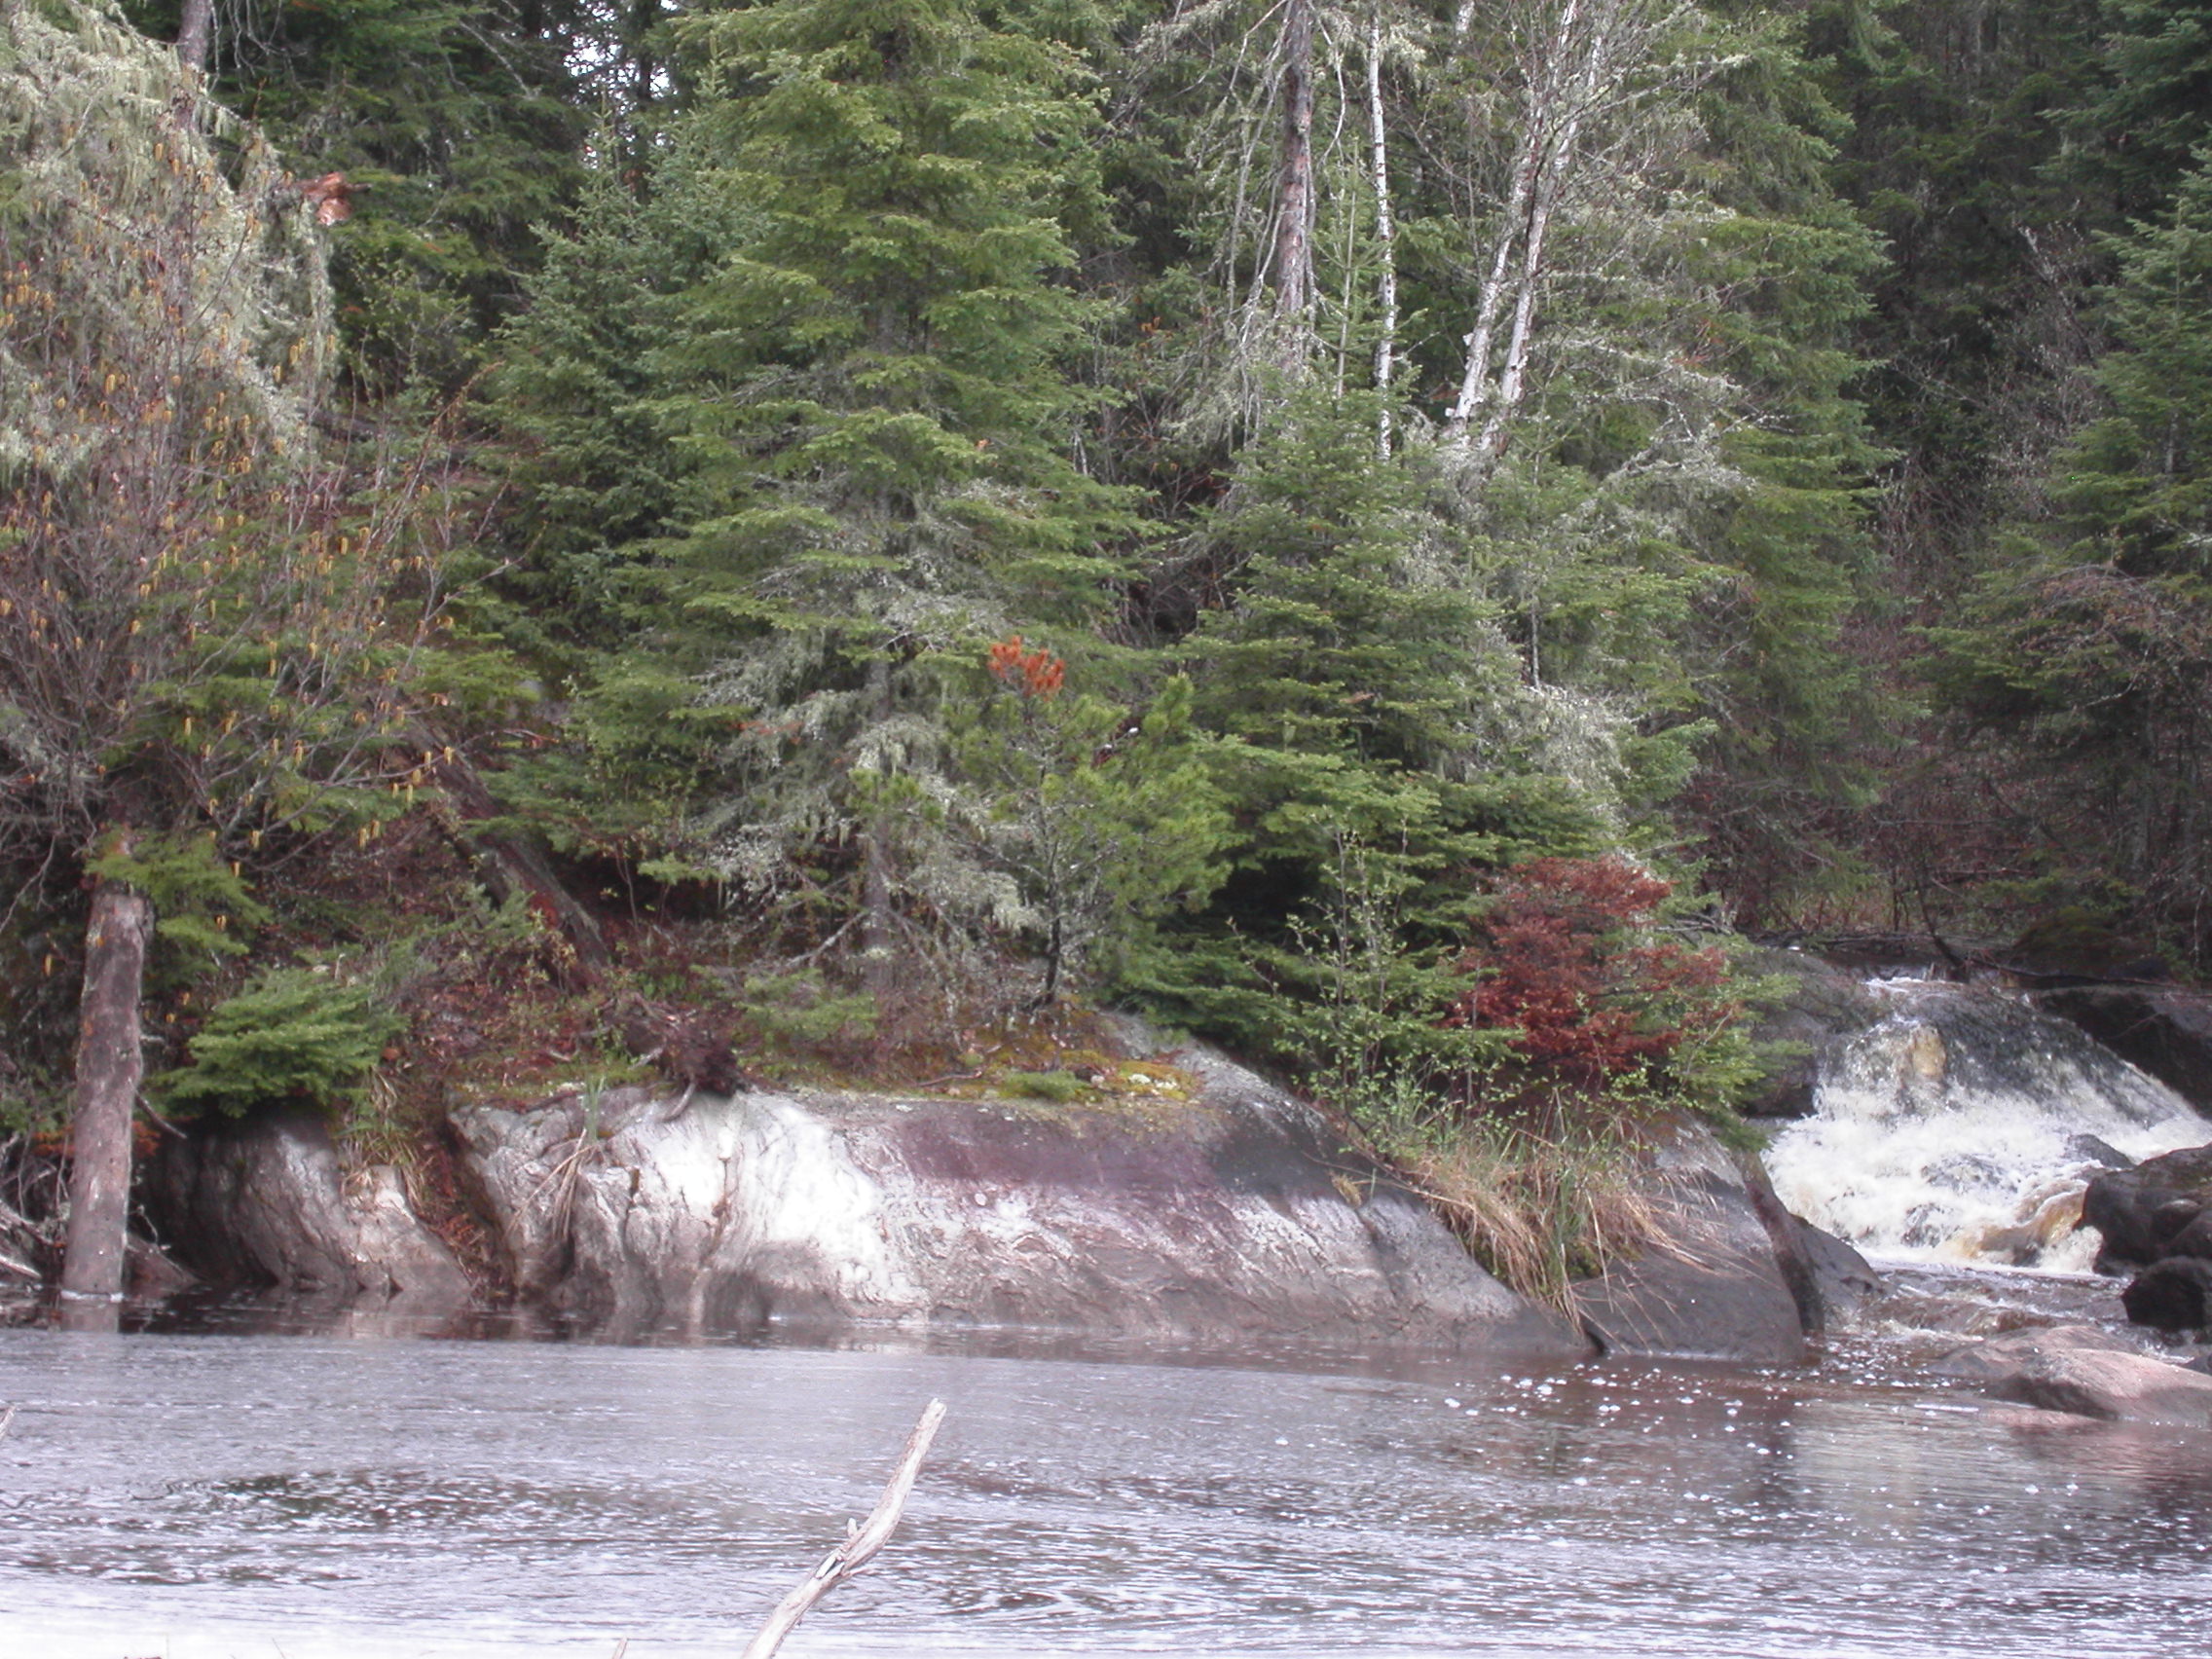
855, 1552
6, 1417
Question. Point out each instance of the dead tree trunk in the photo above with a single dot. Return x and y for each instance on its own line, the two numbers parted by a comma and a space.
861, 1545
510, 866
1293, 258
196, 34
110, 1065
879, 919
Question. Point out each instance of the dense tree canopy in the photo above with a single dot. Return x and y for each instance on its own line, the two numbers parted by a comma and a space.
899, 458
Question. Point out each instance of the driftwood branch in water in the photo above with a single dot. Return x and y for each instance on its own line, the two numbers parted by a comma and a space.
855, 1552
6, 1417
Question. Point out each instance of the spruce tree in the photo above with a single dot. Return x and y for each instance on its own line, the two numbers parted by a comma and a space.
456, 126
2090, 649
867, 394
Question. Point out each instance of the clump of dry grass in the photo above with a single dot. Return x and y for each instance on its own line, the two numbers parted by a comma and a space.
1538, 1204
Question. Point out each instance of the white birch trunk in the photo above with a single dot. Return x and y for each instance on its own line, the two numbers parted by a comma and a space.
1531, 155
1386, 236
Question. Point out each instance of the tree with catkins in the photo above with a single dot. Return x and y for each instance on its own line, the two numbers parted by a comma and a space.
199, 660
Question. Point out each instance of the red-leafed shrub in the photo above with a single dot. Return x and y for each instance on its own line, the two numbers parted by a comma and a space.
1564, 956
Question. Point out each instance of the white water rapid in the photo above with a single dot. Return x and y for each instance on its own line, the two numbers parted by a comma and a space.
1964, 1126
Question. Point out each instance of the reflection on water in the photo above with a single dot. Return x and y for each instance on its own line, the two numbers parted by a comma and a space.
201, 1495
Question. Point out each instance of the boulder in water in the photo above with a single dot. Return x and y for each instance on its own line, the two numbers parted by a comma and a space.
1842, 1279
2095, 1149
2171, 1295
2001, 1356
2120, 1388
2074, 1369
2196, 1237
2139, 1212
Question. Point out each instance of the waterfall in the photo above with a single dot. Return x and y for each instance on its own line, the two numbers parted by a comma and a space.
1966, 1125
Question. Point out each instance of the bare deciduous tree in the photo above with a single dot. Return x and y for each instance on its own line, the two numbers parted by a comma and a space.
196, 648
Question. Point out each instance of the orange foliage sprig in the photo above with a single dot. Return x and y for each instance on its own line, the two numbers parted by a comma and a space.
1034, 674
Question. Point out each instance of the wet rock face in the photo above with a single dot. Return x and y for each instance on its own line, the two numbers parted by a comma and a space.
2163, 1029
1231, 1218
1735, 1278
1824, 1004
264, 1203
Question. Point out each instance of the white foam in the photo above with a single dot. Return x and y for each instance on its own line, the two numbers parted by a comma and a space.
1951, 1130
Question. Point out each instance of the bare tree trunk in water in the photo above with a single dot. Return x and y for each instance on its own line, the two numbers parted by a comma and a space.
196, 34
110, 1063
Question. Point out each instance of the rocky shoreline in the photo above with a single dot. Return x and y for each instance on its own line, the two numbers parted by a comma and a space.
1213, 1208
1192, 1203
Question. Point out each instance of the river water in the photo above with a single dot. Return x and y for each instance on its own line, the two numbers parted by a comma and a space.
311, 1498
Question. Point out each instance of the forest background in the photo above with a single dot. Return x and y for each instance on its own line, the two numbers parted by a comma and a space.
840, 534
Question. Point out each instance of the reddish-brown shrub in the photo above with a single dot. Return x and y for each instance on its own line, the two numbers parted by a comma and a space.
1564, 957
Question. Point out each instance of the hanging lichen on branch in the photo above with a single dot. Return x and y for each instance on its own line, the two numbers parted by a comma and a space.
201, 660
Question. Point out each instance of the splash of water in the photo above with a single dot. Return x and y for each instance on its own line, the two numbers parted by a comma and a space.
1964, 1126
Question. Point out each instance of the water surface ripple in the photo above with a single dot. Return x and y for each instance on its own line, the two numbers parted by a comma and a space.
314, 1499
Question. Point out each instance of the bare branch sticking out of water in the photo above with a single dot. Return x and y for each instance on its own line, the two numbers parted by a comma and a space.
859, 1547
6, 1417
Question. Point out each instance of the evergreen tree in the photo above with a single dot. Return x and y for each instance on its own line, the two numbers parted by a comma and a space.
455, 124
2151, 106
1366, 773
2092, 647
868, 401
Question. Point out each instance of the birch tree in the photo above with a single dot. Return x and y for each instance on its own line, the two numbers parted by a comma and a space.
1291, 137
1583, 73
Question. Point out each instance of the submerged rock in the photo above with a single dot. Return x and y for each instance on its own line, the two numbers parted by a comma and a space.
1231, 1218
264, 1202
2084, 1372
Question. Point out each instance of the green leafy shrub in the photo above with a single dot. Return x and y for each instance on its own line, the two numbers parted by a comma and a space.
1059, 1087
293, 1035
